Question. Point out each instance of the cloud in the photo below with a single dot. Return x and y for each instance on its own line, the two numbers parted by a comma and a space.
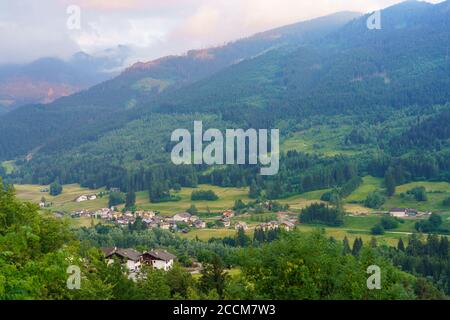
153, 28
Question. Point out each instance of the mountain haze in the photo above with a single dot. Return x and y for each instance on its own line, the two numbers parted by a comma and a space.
34, 126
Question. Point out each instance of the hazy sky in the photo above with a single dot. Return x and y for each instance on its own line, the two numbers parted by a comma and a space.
31, 29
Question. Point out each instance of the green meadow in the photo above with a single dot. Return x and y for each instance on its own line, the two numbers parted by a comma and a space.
65, 201
357, 224
227, 197
321, 139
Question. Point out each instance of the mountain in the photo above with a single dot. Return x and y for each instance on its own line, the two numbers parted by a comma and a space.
352, 69
86, 115
47, 79
349, 88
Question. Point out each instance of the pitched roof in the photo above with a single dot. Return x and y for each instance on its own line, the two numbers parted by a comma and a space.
129, 254
288, 223
161, 255
397, 210
184, 215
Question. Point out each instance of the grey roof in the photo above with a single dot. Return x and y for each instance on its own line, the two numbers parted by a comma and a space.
161, 255
129, 254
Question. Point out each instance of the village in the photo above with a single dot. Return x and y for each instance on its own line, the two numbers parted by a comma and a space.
182, 221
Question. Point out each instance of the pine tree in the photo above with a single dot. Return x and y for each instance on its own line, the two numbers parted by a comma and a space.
242, 240
346, 244
401, 245
254, 191
357, 246
389, 181
213, 277
130, 199
373, 242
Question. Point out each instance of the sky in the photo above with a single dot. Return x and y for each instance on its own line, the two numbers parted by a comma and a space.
31, 29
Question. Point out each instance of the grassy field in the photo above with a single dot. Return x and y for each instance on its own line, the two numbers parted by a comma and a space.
436, 193
354, 226
302, 200
389, 238
63, 202
227, 197
206, 234
84, 222
320, 139
369, 184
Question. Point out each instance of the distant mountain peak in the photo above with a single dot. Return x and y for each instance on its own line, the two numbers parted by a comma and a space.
258, 43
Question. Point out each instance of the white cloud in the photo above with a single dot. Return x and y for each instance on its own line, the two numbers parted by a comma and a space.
33, 29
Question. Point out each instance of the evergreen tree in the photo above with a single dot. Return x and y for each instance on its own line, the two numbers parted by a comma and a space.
373, 242
213, 277
130, 199
347, 249
254, 190
242, 240
357, 246
192, 209
55, 188
401, 245
389, 181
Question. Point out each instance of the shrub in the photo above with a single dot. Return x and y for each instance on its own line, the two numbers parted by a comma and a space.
377, 229
207, 195
389, 223
374, 200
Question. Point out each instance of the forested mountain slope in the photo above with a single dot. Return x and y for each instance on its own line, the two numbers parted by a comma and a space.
382, 83
405, 63
86, 115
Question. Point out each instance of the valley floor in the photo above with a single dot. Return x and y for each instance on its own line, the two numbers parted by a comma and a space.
357, 223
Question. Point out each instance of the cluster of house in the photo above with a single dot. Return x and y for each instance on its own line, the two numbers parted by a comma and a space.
274, 225
286, 222
134, 260
406, 212
81, 213
149, 218
172, 223
86, 197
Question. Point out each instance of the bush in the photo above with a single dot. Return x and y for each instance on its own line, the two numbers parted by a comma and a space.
207, 195
55, 188
374, 200
419, 193
116, 198
377, 229
389, 223
433, 224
